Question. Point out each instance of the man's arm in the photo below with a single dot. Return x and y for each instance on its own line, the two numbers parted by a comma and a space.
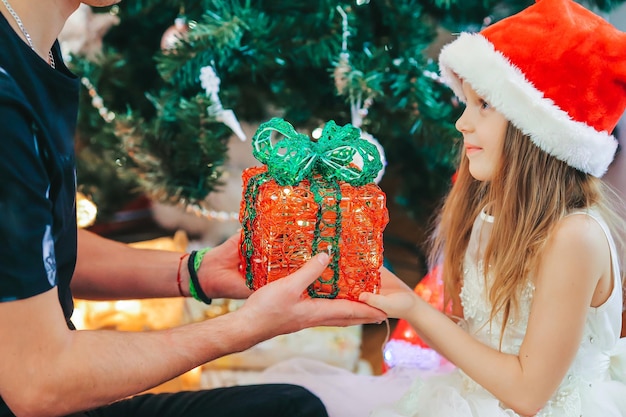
106, 270
49, 370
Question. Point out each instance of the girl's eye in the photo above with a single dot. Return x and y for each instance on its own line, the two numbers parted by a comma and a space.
484, 105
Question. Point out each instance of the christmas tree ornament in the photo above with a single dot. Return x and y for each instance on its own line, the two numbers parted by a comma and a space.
359, 108
178, 155
313, 196
342, 66
174, 34
211, 84
358, 112
341, 71
381, 152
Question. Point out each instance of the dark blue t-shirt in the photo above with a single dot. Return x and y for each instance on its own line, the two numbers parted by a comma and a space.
38, 109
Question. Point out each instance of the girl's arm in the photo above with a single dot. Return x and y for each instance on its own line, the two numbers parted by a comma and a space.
575, 272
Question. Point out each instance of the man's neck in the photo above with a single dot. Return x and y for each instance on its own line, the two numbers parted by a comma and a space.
42, 20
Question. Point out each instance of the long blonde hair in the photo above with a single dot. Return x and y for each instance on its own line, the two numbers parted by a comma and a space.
530, 192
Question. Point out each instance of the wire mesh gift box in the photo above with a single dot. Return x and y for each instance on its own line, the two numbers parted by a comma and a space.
311, 196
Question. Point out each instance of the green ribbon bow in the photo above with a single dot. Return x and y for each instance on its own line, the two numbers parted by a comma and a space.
296, 156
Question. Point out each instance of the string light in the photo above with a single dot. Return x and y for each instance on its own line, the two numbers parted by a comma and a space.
97, 101
219, 215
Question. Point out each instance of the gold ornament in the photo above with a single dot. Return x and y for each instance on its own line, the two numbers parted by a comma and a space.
173, 34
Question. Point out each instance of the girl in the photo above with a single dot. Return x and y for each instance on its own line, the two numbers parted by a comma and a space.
525, 236
529, 263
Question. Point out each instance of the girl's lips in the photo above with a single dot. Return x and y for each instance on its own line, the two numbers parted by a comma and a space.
469, 149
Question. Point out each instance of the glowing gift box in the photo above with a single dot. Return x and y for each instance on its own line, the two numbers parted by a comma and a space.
313, 196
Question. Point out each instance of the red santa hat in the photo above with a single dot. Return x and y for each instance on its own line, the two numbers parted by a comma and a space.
556, 71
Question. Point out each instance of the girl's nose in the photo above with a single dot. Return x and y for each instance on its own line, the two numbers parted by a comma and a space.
462, 124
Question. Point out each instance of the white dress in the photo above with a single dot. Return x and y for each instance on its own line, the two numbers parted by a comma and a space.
594, 386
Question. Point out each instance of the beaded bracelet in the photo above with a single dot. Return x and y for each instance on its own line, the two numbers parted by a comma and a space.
193, 264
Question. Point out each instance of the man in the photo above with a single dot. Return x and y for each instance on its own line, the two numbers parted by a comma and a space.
46, 368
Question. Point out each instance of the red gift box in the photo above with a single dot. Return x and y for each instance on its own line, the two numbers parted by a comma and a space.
311, 197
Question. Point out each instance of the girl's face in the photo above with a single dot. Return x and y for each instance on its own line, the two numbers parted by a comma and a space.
483, 130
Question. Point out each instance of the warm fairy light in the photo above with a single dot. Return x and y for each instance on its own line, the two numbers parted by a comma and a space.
149, 314
128, 306
78, 317
191, 379
86, 211
317, 133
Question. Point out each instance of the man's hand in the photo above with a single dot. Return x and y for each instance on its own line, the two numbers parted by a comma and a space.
283, 306
219, 272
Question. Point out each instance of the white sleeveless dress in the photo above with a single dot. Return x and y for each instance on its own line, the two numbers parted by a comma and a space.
594, 386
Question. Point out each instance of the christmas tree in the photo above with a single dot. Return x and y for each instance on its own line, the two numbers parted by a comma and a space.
173, 80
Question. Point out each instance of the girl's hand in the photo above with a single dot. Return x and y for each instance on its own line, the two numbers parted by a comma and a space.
396, 299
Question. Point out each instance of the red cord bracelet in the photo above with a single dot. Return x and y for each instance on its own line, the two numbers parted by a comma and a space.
179, 279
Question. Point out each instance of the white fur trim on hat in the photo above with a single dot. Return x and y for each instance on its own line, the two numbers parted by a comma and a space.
474, 59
